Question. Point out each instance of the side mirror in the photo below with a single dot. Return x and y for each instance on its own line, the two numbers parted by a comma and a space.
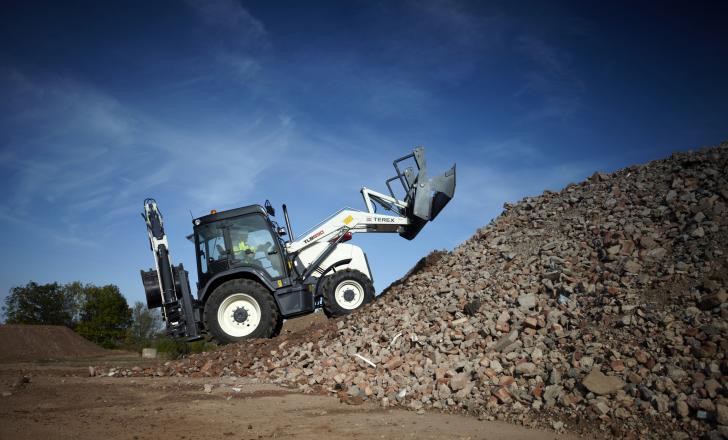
269, 208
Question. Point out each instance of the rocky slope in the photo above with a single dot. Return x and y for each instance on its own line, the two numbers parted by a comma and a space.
598, 308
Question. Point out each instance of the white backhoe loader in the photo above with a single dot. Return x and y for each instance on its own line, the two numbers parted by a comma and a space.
250, 278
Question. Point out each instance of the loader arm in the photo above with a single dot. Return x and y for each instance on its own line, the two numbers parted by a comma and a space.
424, 199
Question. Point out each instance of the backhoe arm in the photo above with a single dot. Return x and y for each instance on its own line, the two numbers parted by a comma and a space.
168, 286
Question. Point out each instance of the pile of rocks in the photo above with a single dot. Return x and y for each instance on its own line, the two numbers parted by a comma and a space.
600, 307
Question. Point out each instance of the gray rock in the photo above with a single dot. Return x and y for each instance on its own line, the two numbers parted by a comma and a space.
526, 369
506, 340
459, 381
551, 392
676, 374
527, 301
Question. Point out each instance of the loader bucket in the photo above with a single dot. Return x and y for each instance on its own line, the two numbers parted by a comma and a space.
425, 197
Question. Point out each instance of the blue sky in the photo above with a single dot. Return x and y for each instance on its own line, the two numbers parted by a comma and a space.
217, 104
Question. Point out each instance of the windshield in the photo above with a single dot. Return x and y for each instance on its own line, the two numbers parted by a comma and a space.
253, 244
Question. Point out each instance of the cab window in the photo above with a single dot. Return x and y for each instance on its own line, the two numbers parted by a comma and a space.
212, 245
252, 244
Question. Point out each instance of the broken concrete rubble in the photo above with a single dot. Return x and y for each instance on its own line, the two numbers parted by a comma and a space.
602, 305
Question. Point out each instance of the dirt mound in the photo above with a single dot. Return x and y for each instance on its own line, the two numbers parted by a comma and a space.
600, 307
34, 342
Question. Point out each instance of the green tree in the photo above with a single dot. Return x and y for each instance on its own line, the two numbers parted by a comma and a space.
145, 325
104, 315
44, 304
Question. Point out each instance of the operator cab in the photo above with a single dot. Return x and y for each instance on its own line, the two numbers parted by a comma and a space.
238, 238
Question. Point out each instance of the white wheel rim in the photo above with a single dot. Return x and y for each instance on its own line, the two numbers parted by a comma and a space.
346, 288
227, 310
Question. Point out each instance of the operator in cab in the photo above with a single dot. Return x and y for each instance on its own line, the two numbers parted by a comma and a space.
242, 250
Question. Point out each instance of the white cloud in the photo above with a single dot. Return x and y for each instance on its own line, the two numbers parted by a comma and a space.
85, 156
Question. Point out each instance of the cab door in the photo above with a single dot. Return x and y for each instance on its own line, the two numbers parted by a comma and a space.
252, 244
212, 251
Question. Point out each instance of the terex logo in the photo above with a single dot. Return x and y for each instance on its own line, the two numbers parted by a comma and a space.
314, 236
383, 219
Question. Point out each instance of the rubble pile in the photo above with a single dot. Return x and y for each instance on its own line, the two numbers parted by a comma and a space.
599, 307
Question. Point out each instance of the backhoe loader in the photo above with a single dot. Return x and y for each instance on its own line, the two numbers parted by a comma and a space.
252, 273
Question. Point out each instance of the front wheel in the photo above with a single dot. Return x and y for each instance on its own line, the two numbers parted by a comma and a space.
346, 291
241, 309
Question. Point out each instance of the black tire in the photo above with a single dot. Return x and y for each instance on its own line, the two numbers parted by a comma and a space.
247, 293
359, 284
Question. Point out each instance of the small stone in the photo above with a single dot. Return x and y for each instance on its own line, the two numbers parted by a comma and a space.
394, 363
506, 340
657, 253
712, 386
459, 321
634, 378
91, 371
676, 374
526, 369
661, 403
506, 380
502, 326
459, 381
7, 394
682, 409
555, 377
557, 425
632, 266
721, 414
598, 383
602, 407
527, 301
504, 316
551, 392
617, 365
502, 395
208, 388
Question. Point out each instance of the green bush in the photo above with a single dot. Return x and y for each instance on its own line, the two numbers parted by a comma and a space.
176, 349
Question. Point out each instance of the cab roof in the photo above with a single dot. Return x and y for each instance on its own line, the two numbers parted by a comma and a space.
230, 213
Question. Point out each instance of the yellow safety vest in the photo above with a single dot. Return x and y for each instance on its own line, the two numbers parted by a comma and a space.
242, 247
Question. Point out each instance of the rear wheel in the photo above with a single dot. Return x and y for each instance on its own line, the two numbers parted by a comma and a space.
346, 291
241, 309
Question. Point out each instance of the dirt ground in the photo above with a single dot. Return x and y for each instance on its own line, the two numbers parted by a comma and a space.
58, 400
